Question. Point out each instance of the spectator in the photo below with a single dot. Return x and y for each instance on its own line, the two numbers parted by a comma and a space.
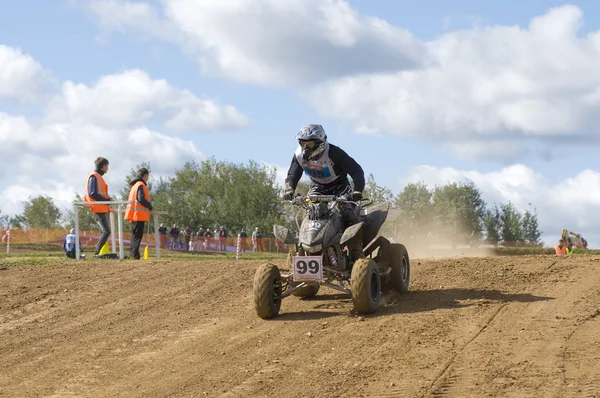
174, 234
69, 244
162, 231
209, 237
138, 210
561, 249
256, 239
96, 190
187, 236
243, 236
222, 238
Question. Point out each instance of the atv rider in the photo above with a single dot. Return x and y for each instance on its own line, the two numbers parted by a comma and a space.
328, 167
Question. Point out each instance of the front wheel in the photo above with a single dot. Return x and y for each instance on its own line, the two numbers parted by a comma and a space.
366, 286
267, 291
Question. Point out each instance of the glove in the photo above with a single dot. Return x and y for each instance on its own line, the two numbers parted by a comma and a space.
356, 196
288, 195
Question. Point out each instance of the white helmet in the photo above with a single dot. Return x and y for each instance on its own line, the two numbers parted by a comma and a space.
312, 132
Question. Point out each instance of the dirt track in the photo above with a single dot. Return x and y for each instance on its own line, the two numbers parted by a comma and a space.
470, 327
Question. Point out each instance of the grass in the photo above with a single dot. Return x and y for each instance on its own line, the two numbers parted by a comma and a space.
43, 253
517, 251
40, 254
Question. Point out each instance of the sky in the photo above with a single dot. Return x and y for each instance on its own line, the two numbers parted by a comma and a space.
506, 95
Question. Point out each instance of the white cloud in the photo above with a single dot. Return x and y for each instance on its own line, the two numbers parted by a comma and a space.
132, 98
497, 84
21, 77
270, 41
62, 174
478, 91
54, 153
573, 204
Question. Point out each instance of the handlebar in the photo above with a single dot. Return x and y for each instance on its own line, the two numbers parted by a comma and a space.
302, 199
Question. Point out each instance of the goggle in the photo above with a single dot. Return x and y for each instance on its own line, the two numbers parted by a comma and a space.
309, 144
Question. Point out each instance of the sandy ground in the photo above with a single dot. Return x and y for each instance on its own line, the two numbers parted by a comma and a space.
522, 326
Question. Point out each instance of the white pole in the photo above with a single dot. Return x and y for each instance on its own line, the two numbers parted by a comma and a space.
120, 221
8, 241
77, 248
156, 236
238, 248
112, 232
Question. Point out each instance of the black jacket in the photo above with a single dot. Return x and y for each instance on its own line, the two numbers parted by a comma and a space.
343, 165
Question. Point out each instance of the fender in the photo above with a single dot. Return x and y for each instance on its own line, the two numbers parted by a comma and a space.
350, 232
284, 234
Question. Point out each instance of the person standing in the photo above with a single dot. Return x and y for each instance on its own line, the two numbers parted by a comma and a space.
96, 190
162, 231
138, 210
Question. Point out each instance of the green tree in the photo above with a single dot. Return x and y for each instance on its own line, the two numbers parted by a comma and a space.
4, 219
492, 224
530, 227
511, 230
459, 211
41, 212
215, 193
377, 193
415, 208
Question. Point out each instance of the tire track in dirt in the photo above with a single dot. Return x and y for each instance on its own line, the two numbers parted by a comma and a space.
581, 358
451, 374
524, 359
188, 329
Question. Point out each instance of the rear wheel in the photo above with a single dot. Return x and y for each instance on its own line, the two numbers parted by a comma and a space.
366, 286
267, 291
400, 273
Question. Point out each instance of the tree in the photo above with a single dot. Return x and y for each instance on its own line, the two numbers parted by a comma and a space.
530, 227
377, 193
458, 210
41, 212
511, 230
492, 224
4, 220
215, 193
414, 204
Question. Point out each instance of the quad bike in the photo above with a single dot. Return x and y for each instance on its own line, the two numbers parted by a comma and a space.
318, 258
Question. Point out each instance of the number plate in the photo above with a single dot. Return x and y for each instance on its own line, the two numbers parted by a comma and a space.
308, 268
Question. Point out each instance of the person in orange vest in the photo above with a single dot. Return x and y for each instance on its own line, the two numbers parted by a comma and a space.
96, 190
138, 211
561, 249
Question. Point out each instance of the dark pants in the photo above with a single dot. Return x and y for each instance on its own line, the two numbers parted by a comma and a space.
70, 253
103, 223
137, 232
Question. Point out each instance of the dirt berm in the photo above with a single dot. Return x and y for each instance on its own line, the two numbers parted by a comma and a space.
523, 326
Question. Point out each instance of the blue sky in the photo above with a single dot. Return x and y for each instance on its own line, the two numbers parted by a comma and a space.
81, 41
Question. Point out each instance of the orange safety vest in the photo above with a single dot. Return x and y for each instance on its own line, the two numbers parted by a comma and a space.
136, 211
102, 190
561, 252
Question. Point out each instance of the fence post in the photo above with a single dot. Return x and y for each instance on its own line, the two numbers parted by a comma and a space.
238, 248
156, 236
77, 248
120, 223
112, 231
8, 241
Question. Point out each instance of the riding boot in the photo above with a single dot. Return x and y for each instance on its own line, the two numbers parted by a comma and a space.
355, 246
